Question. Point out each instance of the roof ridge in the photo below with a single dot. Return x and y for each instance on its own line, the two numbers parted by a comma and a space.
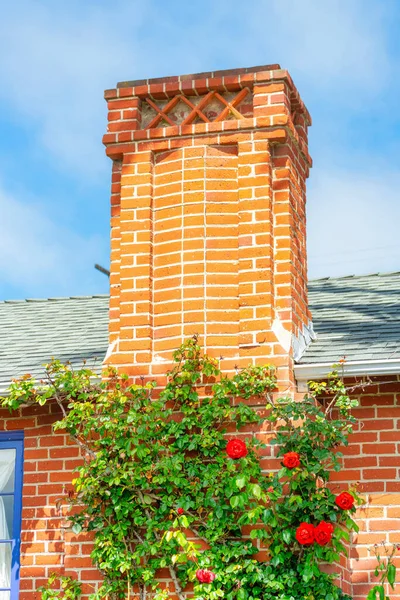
93, 296
377, 274
55, 299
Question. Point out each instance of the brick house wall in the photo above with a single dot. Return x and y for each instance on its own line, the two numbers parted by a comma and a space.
47, 543
208, 236
373, 459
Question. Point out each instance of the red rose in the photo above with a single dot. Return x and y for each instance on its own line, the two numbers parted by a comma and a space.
205, 576
345, 501
305, 534
180, 511
291, 460
323, 533
236, 448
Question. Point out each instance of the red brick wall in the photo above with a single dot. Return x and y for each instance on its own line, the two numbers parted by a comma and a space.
373, 459
47, 545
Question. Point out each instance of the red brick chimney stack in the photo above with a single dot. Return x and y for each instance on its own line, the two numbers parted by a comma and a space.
208, 218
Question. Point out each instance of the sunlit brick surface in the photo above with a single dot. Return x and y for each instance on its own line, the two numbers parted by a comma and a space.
208, 219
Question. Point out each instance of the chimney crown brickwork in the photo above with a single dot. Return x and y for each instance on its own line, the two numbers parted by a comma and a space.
208, 219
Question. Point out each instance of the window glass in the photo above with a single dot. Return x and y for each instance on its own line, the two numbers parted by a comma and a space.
7, 470
11, 455
8, 515
5, 565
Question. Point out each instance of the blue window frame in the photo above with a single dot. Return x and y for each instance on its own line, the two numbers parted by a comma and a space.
11, 470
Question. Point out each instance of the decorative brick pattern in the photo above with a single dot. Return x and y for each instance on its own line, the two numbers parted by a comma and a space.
212, 107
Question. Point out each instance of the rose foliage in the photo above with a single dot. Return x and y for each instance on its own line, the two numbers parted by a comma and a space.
172, 485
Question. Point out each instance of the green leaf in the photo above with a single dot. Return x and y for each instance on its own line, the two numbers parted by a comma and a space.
287, 536
391, 574
181, 538
256, 490
184, 521
76, 528
234, 501
241, 481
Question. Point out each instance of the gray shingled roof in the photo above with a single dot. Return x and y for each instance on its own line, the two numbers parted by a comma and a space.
34, 331
358, 317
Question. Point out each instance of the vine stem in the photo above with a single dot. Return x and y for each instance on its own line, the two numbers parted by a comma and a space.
178, 588
59, 401
172, 571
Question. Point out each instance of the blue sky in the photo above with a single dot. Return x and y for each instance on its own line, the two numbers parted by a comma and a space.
56, 58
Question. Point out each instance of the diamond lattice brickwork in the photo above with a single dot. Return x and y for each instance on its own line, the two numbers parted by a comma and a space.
212, 107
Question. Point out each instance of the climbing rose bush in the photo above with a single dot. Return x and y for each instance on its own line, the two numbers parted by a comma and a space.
168, 487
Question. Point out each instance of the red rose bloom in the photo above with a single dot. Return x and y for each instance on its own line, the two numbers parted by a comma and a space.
236, 448
345, 501
291, 460
305, 534
323, 533
180, 511
205, 576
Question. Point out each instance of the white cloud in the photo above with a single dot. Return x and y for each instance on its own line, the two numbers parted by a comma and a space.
353, 223
57, 58
339, 45
37, 252
54, 66
55, 61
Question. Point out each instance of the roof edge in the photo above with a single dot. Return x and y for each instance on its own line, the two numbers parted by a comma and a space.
307, 372
5, 392
354, 276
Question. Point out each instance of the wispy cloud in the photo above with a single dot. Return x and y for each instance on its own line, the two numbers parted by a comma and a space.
55, 61
57, 58
37, 252
54, 66
332, 44
353, 223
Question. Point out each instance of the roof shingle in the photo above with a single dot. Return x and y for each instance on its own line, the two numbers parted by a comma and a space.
356, 317
34, 331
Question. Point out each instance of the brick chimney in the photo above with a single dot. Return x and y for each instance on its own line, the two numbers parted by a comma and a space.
208, 227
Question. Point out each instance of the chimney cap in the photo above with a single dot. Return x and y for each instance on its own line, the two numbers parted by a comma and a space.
204, 75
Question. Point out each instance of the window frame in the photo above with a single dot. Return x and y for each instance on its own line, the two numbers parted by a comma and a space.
15, 440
